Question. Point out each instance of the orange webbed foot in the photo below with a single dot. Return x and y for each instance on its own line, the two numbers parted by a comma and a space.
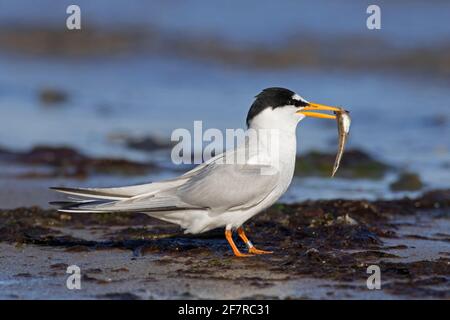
236, 251
253, 250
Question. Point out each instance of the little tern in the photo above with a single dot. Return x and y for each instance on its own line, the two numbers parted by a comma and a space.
219, 193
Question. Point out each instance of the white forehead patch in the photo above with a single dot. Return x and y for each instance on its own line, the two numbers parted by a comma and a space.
298, 98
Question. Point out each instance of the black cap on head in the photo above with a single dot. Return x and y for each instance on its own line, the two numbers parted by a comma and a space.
273, 98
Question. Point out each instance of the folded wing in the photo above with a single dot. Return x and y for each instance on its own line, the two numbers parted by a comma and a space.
214, 186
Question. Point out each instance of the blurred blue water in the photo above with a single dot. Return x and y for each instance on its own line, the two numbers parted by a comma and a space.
154, 95
404, 23
390, 113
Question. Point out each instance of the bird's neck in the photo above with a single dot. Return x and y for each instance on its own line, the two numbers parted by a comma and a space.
288, 128
275, 132
279, 146
269, 131
280, 119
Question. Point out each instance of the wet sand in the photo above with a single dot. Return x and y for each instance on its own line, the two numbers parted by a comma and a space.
322, 250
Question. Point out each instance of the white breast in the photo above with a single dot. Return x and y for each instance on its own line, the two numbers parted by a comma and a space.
280, 125
286, 156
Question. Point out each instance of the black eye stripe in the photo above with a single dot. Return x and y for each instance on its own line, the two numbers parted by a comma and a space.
300, 103
294, 102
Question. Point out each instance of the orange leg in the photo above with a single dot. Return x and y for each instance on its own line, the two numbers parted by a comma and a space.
237, 253
251, 248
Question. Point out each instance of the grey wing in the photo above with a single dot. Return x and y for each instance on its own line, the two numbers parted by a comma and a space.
147, 189
228, 186
214, 185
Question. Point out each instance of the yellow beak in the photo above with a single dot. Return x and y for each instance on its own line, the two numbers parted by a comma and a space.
318, 107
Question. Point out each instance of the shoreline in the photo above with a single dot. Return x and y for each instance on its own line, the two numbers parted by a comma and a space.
322, 250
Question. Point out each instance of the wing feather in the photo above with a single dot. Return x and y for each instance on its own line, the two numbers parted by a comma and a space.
213, 185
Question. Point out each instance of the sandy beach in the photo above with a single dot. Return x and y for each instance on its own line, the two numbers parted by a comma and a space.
322, 251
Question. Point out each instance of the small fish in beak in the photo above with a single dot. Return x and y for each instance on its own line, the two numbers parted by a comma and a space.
343, 122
